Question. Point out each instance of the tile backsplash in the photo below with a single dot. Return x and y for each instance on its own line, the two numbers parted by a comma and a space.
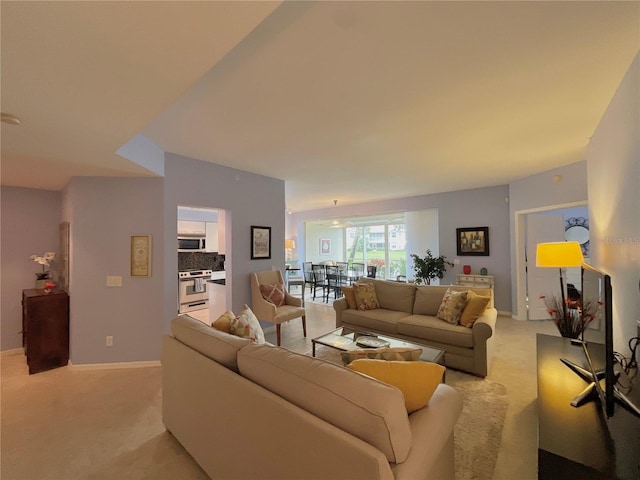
200, 261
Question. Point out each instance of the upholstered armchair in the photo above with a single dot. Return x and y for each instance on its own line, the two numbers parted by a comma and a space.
269, 312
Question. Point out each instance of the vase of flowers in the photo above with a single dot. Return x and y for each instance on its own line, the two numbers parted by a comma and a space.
572, 317
45, 261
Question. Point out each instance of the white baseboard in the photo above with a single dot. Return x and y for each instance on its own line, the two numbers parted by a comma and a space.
109, 366
13, 351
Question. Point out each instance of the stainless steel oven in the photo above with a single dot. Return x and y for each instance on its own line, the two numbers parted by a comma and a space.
193, 290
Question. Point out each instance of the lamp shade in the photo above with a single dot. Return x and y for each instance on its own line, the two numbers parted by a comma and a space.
289, 244
559, 254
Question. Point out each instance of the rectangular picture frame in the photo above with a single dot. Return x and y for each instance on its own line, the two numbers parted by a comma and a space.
325, 246
472, 241
140, 255
260, 242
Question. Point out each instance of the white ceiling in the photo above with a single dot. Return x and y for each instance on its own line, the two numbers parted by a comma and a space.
352, 101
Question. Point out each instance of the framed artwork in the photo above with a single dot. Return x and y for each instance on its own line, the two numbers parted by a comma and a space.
140, 255
260, 242
473, 241
325, 246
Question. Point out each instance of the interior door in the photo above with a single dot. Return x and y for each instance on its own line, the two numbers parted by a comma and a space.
540, 228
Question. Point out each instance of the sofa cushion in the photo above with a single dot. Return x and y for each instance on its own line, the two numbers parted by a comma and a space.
223, 322
396, 296
475, 307
434, 329
416, 380
350, 296
429, 297
366, 408
248, 314
219, 346
380, 320
365, 295
392, 353
452, 305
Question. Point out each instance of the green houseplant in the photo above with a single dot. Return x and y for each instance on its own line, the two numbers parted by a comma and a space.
429, 267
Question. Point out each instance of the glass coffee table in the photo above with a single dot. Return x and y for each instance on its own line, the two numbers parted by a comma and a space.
345, 340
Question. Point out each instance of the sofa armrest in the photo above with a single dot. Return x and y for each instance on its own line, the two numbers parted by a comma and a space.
340, 305
262, 309
484, 341
485, 325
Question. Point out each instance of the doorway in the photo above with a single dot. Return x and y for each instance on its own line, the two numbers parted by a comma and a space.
545, 224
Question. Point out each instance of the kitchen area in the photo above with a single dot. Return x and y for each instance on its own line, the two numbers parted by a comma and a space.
201, 263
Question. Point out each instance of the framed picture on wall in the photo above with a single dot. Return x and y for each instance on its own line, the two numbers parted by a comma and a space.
140, 255
472, 241
325, 246
260, 242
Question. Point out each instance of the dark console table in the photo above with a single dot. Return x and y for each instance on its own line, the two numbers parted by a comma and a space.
45, 329
580, 443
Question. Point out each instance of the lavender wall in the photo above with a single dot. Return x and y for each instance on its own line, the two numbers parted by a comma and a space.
29, 224
103, 213
482, 207
247, 199
613, 165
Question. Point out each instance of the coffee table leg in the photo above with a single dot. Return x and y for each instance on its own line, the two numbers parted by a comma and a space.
313, 348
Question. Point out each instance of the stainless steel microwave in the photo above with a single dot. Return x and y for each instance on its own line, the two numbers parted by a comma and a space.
191, 244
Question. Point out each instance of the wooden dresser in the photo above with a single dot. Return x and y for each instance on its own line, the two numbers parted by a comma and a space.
45, 329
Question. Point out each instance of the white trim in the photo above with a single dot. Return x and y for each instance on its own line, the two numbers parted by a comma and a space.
13, 351
108, 366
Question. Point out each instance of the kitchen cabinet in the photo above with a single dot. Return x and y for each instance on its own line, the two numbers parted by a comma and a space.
45, 329
190, 227
211, 244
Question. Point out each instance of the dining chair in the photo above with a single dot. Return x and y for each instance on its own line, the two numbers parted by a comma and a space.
307, 273
319, 279
334, 284
357, 271
371, 271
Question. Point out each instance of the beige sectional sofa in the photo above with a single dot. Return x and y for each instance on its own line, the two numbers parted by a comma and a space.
247, 411
408, 311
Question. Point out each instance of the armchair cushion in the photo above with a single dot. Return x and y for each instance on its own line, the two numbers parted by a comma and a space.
273, 293
393, 353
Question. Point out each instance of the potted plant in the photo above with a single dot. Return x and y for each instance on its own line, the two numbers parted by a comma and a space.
429, 267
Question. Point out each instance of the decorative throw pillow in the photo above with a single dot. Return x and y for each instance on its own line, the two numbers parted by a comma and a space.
365, 294
475, 307
240, 327
223, 322
273, 293
350, 296
451, 306
416, 380
393, 353
255, 324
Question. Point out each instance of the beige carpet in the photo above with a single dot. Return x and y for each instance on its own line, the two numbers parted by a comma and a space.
478, 433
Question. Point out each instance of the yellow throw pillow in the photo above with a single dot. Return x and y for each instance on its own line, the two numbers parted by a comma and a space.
452, 305
475, 307
365, 294
350, 296
416, 380
223, 322
391, 353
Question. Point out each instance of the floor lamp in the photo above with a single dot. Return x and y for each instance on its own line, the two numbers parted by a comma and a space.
559, 255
